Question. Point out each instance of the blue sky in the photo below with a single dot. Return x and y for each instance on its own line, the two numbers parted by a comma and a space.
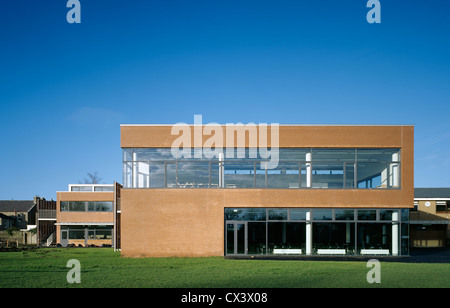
66, 88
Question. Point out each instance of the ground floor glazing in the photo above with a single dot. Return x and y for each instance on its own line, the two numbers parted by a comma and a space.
324, 231
86, 235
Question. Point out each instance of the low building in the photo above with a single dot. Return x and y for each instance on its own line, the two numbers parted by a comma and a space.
18, 221
85, 215
429, 220
17, 214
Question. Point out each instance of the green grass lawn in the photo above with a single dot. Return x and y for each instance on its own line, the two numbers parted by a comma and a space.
102, 267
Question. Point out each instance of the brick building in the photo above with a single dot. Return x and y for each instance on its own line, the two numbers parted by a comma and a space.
334, 190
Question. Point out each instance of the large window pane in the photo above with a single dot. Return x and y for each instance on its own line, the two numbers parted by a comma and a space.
298, 214
278, 214
193, 174
171, 175
76, 233
367, 214
157, 171
256, 237
286, 235
334, 236
327, 175
372, 175
344, 214
239, 174
286, 175
374, 235
319, 214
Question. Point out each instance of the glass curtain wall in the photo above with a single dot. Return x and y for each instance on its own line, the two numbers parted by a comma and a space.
280, 231
325, 168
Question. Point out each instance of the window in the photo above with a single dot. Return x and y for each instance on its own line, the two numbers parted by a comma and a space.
103, 188
81, 188
319, 214
344, 214
99, 232
278, 214
367, 214
281, 231
239, 174
76, 233
192, 174
442, 206
327, 175
286, 175
86, 206
319, 168
298, 214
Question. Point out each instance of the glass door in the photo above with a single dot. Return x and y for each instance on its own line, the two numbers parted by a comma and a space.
236, 241
64, 238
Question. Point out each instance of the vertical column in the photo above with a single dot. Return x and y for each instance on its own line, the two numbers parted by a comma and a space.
308, 232
394, 170
395, 233
308, 169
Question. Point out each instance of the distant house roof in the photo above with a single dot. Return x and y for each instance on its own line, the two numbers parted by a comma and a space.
15, 205
431, 192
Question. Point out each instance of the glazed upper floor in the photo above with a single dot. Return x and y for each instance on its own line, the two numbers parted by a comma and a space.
308, 156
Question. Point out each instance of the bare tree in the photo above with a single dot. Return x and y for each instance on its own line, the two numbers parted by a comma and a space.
92, 178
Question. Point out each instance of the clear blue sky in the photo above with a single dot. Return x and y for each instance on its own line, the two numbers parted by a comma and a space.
66, 88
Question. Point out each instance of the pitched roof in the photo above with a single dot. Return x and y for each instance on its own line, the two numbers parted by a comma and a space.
15, 205
431, 192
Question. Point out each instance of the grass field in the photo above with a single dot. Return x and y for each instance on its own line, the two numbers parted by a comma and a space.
104, 268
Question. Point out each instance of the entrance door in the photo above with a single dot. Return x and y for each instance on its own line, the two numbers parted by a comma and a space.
236, 240
64, 238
